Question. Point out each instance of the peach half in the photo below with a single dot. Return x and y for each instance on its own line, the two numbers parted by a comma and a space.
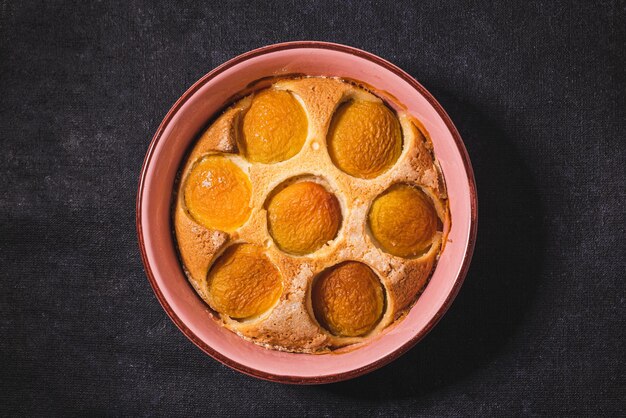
403, 221
348, 299
274, 128
303, 217
243, 282
217, 194
364, 139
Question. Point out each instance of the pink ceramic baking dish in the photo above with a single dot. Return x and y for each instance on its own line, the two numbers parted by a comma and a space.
180, 128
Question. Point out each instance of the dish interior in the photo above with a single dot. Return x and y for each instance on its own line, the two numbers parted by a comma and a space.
310, 214
182, 126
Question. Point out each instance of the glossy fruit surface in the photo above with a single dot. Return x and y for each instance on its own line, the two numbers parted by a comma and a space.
217, 194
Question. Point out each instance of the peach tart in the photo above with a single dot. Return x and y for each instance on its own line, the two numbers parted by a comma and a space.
310, 214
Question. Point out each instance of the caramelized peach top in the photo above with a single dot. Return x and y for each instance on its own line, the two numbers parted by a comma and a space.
243, 282
348, 299
217, 194
274, 128
303, 217
364, 139
403, 221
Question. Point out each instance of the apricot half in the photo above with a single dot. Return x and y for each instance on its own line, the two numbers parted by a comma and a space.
217, 194
303, 217
274, 128
403, 220
348, 299
243, 282
364, 139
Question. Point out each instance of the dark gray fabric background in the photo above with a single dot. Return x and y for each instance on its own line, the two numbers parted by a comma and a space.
537, 92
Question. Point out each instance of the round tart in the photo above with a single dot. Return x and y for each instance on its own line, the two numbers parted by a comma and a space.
310, 214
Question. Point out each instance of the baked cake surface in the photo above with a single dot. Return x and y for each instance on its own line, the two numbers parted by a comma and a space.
309, 215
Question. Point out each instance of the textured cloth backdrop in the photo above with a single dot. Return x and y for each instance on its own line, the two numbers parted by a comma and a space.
537, 92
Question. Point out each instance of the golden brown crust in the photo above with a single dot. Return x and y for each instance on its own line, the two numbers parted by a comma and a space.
290, 324
197, 245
